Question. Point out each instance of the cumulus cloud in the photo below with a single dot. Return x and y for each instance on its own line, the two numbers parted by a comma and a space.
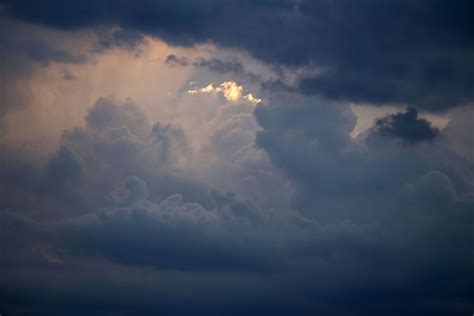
315, 149
375, 218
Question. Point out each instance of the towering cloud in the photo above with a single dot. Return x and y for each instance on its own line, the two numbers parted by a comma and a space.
210, 157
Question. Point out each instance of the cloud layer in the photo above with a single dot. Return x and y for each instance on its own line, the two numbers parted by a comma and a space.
217, 170
395, 52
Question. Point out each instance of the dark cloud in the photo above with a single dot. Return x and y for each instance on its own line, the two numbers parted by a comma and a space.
395, 52
65, 166
397, 188
404, 126
40, 51
220, 66
175, 60
126, 217
266, 262
379, 230
315, 149
229, 68
129, 40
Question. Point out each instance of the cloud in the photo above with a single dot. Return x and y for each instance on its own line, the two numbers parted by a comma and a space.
24, 49
273, 205
129, 40
404, 126
459, 133
199, 248
380, 219
41, 52
173, 59
230, 90
316, 151
106, 114
402, 52
212, 64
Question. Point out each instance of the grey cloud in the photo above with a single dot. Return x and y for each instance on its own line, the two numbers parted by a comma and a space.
330, 168
40, 51
229, 68
106, 114
175, 60
459, 133
399, 52
129, 40
212, 64
24, 49
385, 229
117, 141
404, 126
233, 239
220, 66
419, 195
66, 165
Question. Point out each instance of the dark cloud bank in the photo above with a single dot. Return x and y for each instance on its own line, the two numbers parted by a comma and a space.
380, 224
415, 52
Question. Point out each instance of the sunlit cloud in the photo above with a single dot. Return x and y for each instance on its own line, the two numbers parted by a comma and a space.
230, 90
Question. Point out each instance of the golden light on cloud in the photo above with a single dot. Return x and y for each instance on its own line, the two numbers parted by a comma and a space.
230, 90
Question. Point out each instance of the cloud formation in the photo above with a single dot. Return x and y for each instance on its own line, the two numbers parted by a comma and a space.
399, 52
405, 126
168, 195
230, 90
368, 217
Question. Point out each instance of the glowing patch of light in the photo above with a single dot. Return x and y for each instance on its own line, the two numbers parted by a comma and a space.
230, 90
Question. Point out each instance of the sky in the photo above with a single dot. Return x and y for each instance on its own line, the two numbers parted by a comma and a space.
225, 157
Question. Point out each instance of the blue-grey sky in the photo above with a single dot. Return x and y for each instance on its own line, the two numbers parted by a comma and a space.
224, 157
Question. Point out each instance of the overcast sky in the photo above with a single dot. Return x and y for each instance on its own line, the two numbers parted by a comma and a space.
225, 157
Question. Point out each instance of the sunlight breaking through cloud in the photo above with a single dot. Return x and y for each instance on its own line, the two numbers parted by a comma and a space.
230, 90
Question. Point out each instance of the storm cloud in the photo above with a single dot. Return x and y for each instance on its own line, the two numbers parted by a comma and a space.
236, 157
390, 52
405, 126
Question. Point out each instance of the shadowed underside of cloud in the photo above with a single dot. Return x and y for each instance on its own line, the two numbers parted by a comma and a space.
184, 258
368, 51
